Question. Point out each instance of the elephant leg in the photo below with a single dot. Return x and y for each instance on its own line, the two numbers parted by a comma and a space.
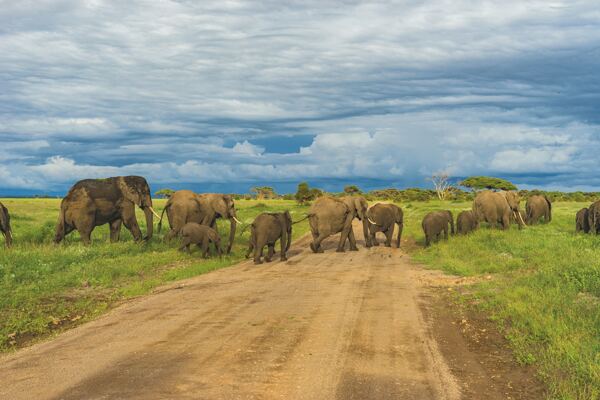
400, 228
345, 233
250, 249
388, 236
185, 245
373, 234
315, 246
115, 230
505, 222
283, 250
130, 222
85, 226
258, 252
427, 239
270, 252
204, 246
352, 240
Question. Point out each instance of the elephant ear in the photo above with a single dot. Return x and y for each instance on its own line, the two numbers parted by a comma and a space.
129, 192
360, 205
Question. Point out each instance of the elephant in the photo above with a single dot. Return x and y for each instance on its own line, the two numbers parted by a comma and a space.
330, 215
496, 207
186, 206
582, 223
266, 229
594, 217
435, 223
381, 218
94, 202
537, 207
200, 235
5, 225
466, 222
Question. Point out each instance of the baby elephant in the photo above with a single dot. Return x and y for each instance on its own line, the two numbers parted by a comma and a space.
5, 225
435, 223
266, 229
466, 222
582, 223
200, 235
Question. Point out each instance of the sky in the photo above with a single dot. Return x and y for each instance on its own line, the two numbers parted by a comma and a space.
226, 95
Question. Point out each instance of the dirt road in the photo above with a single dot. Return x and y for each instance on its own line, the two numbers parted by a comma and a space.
320, 326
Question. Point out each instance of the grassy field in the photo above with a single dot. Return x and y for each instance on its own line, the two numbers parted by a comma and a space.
544, 290
45, 288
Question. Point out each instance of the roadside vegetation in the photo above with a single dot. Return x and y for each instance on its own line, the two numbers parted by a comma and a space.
45, 288
541, 284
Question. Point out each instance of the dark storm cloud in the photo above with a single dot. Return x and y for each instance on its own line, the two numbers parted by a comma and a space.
234, 93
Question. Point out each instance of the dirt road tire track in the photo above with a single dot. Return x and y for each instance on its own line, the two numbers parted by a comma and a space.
320, 326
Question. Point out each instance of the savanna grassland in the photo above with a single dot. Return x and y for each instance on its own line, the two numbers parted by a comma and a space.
45, 288
540, 284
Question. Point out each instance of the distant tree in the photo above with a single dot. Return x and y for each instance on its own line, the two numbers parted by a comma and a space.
442, 185
164, 193
352, 189
487, 182
305, 194
264, 192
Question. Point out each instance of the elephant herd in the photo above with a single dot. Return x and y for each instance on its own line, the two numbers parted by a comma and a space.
498, 209
192, 216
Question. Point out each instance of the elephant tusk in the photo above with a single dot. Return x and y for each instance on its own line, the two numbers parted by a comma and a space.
371, 221
154, 212
521, 218
236, 220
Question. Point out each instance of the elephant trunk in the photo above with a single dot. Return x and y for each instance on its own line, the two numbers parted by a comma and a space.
8, 237
149, 222
365, 222
452, 231
60, 226
233, 224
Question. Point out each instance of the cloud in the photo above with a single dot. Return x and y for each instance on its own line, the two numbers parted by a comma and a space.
193, 92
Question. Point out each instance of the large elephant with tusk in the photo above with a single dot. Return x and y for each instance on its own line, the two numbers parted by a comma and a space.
497, 207
383, 217
94, 202
330, 215
186, 206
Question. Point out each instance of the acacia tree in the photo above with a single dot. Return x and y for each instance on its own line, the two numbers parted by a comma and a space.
487, 182
442, 185
352, 189
165, 193
305, 194
264, 192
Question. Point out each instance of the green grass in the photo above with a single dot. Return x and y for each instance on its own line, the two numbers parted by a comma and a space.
545, 291
45, 288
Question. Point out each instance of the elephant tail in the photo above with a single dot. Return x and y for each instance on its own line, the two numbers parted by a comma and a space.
60, 225
549, 208
161, 216
300, 220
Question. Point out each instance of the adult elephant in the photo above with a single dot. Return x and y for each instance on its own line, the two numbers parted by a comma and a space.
186, 206
594, 217
94, 202
496, 208
582, 223
382, 218
538, 207
329, 215
5, 225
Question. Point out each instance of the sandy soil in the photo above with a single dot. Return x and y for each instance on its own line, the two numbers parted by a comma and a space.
351, 325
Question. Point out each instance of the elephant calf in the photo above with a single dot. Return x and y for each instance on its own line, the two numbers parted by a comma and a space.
582, 223
466, 222
435, 223
200, 235
267, 229
5, 225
